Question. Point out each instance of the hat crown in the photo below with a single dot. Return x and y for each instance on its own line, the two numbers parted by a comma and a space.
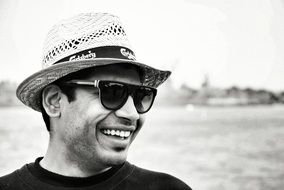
81, 32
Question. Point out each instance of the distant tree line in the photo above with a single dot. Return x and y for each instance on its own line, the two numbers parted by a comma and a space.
212, 96
232, 96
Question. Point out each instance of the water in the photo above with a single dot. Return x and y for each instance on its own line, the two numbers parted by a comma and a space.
208, 148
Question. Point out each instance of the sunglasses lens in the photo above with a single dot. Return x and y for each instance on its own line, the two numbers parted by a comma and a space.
113, 95
143, 99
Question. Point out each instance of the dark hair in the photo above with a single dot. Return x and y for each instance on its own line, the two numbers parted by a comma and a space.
70, 91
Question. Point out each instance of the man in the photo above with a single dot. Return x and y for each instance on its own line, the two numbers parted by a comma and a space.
93, 96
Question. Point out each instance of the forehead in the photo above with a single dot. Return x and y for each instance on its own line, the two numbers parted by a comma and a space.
116, 72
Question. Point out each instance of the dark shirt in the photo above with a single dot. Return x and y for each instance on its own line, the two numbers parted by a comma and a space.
122, 177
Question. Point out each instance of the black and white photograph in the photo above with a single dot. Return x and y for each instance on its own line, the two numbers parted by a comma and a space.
141, 95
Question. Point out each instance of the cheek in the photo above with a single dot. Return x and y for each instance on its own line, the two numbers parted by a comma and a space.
94, 113
87, 114
80, 124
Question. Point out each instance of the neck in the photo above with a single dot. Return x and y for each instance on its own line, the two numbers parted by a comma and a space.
57, 161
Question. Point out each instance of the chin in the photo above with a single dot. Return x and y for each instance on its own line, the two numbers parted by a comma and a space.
118, 162
116, 159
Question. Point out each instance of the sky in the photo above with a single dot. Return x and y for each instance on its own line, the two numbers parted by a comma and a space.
238, 43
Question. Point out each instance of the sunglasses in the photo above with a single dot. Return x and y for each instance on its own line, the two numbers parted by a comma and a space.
113, 94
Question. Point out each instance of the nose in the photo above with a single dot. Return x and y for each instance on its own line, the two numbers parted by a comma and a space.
128, 110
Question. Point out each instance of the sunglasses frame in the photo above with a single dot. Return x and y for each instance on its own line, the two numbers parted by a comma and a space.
130, 91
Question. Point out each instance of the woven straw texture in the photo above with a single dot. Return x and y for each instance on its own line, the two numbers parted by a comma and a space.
73, 35
80, 33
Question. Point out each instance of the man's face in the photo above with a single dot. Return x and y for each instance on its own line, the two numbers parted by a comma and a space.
84, 122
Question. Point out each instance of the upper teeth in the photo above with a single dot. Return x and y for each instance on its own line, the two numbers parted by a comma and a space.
116, 133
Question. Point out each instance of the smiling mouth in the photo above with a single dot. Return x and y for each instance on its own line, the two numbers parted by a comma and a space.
116, 133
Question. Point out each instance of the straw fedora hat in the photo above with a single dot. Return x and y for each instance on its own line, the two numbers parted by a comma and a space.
83, 41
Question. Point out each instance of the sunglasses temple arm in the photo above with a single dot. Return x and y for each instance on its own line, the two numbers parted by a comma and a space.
94, 83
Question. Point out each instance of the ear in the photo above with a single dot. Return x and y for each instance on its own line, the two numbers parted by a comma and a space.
51, 96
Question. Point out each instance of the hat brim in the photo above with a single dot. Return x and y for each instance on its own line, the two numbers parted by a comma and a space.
29, 91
